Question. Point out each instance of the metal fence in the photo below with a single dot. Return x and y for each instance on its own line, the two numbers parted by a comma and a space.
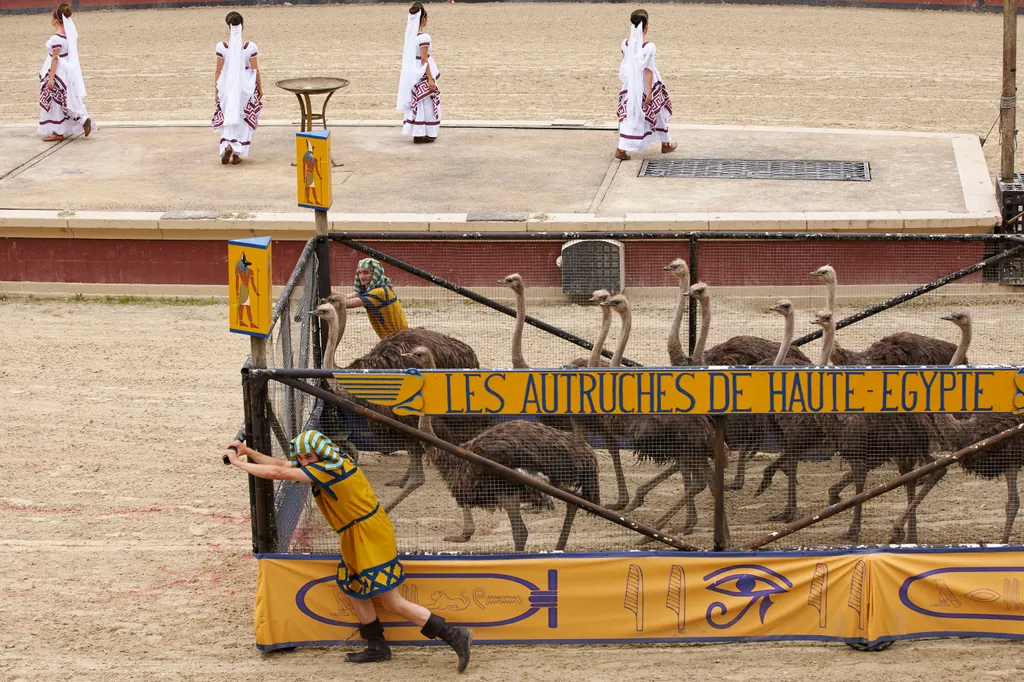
659, 470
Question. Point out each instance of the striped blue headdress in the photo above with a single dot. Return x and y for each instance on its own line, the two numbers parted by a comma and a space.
314, 441
378, 281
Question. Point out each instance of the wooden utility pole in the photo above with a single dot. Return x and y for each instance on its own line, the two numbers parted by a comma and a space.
1008, 102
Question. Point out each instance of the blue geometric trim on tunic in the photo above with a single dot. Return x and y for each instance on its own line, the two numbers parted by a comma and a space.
372, 581
373, 303
361, 518
348, 468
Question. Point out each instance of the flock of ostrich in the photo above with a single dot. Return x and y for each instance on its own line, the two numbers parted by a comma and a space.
556, 449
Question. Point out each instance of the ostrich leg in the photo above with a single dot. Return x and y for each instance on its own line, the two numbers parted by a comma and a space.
644, 489
789, 467
416, 478
468, 527
563, 538
898, 534
400, 482
740, 478
693, 483
1012, 503
612, 444
859, 474
515, 518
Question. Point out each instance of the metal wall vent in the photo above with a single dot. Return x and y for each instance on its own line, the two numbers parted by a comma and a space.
756, 169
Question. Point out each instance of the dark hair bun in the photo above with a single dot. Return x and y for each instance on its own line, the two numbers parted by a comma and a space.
418, 7
62, 12
639, 17
233, 19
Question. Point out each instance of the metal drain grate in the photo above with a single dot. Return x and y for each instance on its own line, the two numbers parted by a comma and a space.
756, 169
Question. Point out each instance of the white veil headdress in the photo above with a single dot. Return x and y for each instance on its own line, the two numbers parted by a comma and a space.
411, 71
631, 72
77, 85
229, 85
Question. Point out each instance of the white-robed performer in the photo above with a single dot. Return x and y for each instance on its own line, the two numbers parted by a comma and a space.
239, 93
418, 96
61, 86
644, 105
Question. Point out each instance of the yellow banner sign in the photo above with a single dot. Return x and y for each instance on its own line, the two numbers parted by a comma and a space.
753, 390
250, 297
662, 597
313, 169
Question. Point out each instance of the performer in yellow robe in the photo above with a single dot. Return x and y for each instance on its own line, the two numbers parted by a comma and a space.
369, 565
373, 291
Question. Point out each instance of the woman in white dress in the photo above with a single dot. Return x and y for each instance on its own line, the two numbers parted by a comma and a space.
644, 105
239, 93
61, 87
418, 96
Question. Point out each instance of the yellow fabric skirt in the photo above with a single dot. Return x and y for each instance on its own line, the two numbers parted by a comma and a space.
369, 557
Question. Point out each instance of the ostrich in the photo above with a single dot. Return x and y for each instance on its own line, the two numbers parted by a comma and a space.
682, 442
387, 354
741, 433
676, 356
530, 447
579, 425
870, 440
802, 436
959, 431
901, 348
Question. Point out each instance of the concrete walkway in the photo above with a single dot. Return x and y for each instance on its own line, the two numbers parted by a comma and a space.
479, 175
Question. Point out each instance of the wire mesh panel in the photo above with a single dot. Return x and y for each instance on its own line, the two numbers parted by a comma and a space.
756, 169
659, 468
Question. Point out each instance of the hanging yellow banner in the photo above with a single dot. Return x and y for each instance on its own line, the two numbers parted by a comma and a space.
663, 597
313, 169
250, 297
753, 390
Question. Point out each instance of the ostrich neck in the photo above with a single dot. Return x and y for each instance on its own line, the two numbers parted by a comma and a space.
606, 325
961, 350
828, 340
627, 325
830, 296
787, 340
517, 334
335, 329
702, 335
675, 347
426, 426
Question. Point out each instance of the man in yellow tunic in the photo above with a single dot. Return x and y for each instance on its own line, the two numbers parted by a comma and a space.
369, 565
373, 291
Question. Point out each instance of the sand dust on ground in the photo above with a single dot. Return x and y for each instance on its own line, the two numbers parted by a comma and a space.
126, 546
737, 65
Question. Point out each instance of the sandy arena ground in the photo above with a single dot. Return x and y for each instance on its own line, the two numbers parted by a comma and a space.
778, 66
115, 570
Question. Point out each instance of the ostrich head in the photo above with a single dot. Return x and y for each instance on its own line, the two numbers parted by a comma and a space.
783, 307
699, 291
600, 296
325, 311
422, 356
826, 272
823, 318
618, 303
679, 268
960, 318
513, 282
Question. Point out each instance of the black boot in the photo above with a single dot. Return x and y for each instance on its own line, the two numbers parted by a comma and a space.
377, 648
457, 638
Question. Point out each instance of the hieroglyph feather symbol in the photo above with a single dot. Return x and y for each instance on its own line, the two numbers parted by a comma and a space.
401, 391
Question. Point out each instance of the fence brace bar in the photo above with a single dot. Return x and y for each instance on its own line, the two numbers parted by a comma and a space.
920, 472
496, 468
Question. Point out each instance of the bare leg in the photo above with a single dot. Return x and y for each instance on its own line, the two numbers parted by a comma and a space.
741, 470
563, 538
839, 486
515, 517
620, 476
364, 609
898, 535
416, 479
400, 482
644, 489
768, 474
394, 602
789, 467
693, 483
468, 527
1012, 503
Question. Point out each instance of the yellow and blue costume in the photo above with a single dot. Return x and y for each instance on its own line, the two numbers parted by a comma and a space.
381, 303
369, 554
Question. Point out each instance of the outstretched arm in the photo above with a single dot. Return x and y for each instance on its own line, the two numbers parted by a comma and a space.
272, 472
257, 457
355, 302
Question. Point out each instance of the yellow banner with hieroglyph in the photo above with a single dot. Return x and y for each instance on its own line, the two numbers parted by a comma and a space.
663, 597
753, 390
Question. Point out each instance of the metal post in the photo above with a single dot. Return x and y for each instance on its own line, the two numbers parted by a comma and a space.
920, 472
258, 428
691, 304
504, 472
323, 281
1008, 101
722, 540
